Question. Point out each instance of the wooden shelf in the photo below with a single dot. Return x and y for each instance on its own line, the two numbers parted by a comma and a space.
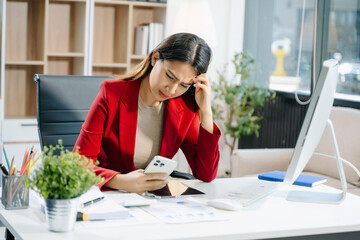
112, 2
148, 4
110, 65
131, 3
66, 26
111, 30
35, 63
108, 71
138, 57
65, 54
56, 37
24, 30
20, 90
62, 1
65, 66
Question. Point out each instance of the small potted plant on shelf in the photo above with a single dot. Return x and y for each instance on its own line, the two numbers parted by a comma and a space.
237, 103
61, 179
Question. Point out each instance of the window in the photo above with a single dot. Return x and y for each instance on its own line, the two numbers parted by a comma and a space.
279, 35
344, 43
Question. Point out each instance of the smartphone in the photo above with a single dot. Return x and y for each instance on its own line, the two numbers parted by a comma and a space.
161, 165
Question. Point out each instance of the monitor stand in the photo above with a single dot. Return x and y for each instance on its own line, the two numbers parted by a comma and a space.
323, 197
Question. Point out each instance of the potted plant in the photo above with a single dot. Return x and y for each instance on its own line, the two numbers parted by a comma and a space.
237, 103
61, 179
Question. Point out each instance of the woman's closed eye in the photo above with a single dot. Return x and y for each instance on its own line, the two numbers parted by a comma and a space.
184, 85
169, 76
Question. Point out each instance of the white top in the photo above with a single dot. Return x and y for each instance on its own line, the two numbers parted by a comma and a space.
148, 133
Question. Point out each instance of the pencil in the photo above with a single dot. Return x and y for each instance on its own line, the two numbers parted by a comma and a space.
12, 165
33, 164
24, 159
22, 172
13, 170
6, 158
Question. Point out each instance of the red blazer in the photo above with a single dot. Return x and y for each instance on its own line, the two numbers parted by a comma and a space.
108, 133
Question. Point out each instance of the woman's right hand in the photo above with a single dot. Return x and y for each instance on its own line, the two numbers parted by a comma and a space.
137, 182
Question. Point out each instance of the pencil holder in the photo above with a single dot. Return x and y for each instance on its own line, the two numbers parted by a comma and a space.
15, 194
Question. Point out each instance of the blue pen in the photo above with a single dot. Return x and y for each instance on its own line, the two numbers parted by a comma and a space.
7, 161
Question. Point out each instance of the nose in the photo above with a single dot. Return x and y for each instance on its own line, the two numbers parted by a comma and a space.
171, 87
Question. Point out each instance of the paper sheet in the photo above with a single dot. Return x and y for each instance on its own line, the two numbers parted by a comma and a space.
183, 211
131, 199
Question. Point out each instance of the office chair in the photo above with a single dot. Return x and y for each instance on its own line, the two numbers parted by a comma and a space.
63, 102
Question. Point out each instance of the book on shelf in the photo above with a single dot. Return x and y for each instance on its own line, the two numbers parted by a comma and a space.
147, 37
142, 39
302, 180
156, 35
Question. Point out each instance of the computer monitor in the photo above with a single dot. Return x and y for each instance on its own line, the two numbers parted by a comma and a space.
316, 118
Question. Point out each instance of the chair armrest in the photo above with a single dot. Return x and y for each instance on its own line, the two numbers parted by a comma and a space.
254, 161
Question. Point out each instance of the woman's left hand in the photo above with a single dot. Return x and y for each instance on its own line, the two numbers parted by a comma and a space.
203, 100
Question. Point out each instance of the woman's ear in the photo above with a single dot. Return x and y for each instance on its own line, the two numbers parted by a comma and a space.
154, 57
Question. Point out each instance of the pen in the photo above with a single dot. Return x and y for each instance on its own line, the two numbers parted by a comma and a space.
6, 158
91, 202
3, 168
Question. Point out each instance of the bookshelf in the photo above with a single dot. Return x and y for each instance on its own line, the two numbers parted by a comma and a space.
123, 16
70, 37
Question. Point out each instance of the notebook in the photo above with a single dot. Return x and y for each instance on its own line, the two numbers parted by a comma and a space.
102, 210
302, 180
106, 209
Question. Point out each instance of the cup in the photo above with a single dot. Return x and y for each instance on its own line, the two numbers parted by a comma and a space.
15, 194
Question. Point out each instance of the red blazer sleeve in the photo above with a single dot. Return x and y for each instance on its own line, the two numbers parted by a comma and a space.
201, 149
92, 131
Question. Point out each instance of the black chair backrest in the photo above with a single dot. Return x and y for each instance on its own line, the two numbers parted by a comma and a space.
63, 102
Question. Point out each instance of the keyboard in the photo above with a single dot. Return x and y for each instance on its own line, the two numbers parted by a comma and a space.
252, 191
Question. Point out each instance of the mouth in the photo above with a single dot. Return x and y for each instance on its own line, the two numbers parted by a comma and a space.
162, 94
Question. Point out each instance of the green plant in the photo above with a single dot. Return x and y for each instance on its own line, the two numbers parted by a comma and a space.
63, 176
238, 103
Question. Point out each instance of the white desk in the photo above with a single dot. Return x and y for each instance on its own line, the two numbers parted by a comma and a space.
272, 217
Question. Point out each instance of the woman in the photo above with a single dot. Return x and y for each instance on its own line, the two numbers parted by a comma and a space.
162, 106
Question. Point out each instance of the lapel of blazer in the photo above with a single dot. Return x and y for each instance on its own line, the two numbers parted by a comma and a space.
172, 119
128, 110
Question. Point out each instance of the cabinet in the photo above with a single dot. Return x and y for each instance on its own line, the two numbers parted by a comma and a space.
70, 37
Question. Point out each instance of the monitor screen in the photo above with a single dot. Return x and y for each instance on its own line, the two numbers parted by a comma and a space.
315, 119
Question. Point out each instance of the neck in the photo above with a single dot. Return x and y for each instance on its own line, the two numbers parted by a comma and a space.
146, 95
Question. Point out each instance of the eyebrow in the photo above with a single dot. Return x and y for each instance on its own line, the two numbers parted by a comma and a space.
172, 74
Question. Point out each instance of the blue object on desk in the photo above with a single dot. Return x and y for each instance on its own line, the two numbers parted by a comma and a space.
302, 180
